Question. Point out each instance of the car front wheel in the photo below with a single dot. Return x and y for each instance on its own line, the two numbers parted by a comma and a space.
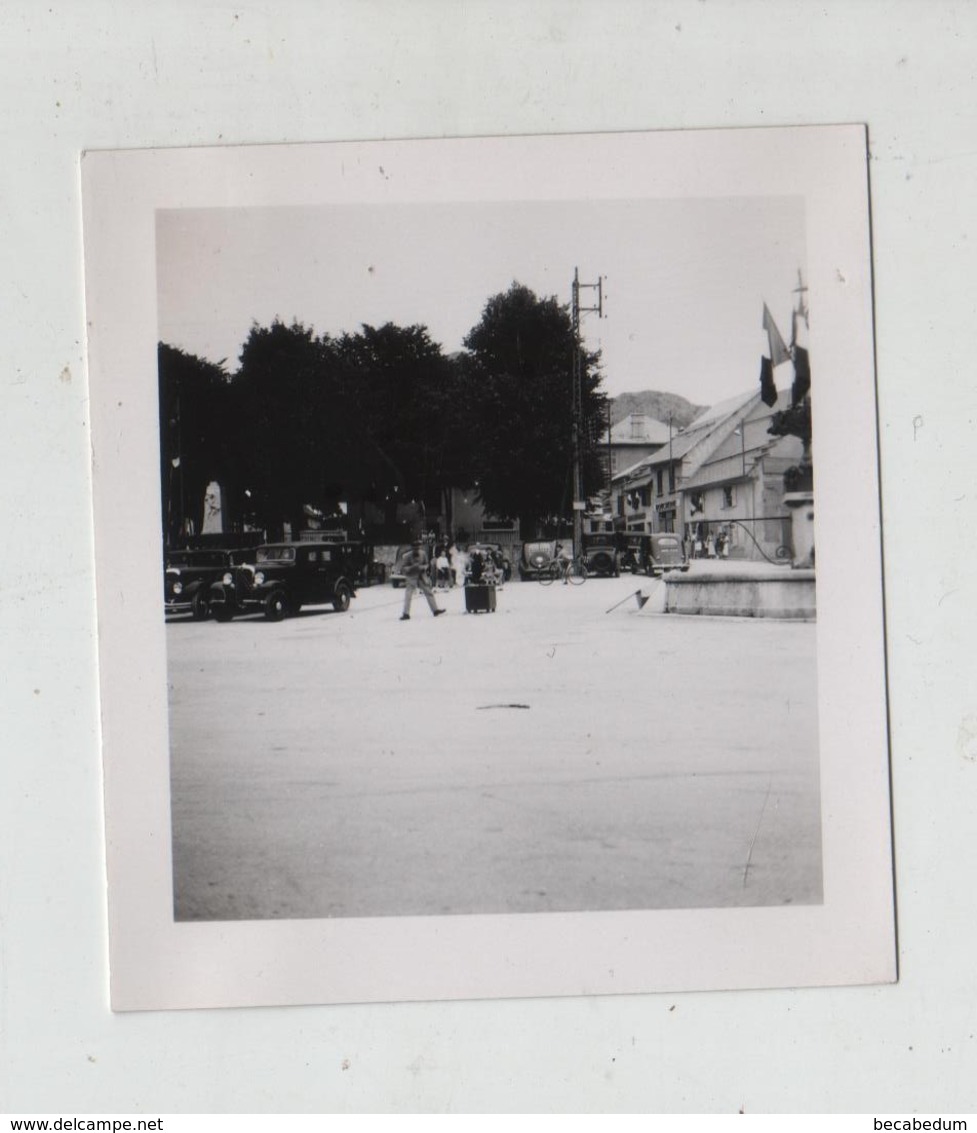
276, 606
200, 607
341, 597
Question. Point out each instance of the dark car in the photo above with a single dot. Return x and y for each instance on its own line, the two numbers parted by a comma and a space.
655, 554
188, 576
362, 562
601, 555
284, 577
495, 552
536, 559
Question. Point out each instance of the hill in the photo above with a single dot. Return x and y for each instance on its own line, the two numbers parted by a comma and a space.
654, 403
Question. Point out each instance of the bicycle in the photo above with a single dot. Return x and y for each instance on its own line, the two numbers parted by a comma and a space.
573, 571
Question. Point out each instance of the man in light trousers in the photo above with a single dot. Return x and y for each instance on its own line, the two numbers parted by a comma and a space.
415, 565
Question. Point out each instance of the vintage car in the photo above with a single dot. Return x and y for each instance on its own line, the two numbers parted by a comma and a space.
362, 563
284, 577
496, 553
601, 555
536, 559
657, 553
188, 575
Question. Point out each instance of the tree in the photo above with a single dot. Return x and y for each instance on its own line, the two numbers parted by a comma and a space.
523, 351
279, 391
195, 447
406, 396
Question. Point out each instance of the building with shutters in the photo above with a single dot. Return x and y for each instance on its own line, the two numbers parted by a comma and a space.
718, 484
631, 440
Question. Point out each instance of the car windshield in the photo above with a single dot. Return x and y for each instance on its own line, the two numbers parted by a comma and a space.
276, 554
198, 558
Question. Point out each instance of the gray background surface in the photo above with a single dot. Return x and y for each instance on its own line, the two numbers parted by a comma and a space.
97, 75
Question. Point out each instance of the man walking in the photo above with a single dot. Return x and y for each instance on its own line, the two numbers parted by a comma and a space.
415, 565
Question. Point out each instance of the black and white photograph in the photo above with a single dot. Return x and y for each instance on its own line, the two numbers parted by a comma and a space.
486, 590
489, 542
372, 415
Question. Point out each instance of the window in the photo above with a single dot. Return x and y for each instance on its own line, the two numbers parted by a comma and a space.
276, 554
729, 496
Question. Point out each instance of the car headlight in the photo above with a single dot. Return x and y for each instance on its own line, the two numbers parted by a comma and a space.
259, 577
228, 579
177, 587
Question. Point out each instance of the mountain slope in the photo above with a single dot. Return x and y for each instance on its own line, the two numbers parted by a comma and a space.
656, 404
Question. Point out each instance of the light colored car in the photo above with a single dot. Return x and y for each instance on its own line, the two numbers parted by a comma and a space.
662, 552
536, 559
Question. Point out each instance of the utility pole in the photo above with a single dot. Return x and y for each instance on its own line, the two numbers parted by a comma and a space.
579, 504
610, 457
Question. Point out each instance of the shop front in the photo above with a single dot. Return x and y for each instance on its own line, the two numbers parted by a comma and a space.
666, 512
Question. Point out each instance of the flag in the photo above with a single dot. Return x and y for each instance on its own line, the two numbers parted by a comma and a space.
799, 328
778, 348
802, 376
768, 391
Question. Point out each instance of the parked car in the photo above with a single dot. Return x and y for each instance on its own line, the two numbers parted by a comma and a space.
536, 559
657, 553
284, 577
188, 575
497, 554
601, 555
362, 563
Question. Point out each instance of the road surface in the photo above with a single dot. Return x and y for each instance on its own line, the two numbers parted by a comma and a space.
549, 756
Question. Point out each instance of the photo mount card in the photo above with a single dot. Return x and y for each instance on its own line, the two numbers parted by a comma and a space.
640, 784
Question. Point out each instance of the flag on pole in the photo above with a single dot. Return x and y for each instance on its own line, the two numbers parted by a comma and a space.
799, 328
778, 348
768, 391
802, 376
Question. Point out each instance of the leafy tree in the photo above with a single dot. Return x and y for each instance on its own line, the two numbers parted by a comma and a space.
292, 423
194, 445
406, 395
523, 355
319, 420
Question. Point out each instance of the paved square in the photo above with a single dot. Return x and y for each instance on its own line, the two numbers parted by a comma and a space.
549, 756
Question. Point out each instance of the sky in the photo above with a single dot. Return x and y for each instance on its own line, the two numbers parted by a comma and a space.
684, 281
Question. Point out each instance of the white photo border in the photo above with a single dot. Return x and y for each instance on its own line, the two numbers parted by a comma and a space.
158, 963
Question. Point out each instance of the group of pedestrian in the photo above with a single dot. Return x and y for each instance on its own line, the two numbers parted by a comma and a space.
483, 569
450, 564
703, 545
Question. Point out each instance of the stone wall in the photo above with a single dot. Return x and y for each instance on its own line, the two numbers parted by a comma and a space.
777, 593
